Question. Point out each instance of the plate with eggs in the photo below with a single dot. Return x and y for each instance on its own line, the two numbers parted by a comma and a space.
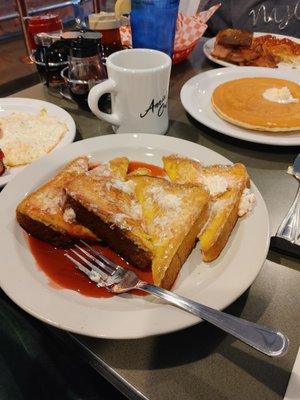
29, 129
255, 104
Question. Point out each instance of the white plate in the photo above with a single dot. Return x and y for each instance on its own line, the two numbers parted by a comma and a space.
32, 106
217, 284
196, 99
209, 46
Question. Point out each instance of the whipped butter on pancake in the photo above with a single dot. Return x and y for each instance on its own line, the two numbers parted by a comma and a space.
279, 95
263, 104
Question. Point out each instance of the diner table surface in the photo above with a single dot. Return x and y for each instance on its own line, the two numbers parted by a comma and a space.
202, 362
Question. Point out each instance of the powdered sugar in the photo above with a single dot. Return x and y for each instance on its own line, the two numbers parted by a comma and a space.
164, 199
215, 184
80, 166
247, 202
124, 186
102, 170
69, 215
51, 200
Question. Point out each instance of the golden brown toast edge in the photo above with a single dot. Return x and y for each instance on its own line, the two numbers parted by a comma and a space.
163, 275
117, 239
97, 201
220, 240
183, 251
59, 234
176, 166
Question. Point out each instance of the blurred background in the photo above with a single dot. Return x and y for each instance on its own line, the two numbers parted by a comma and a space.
14, 66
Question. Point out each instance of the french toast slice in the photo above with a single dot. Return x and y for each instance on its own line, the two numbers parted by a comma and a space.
42, 213
108, 207
140, 171
115, 168
173, 215
226, 185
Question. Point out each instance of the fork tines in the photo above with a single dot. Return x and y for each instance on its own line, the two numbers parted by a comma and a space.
94, 264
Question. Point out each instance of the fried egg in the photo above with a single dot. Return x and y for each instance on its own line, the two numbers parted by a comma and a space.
26, 137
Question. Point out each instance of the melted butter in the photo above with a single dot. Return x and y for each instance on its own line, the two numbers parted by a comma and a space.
279, 95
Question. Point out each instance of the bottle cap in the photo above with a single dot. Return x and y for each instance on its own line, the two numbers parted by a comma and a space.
47, 38
104, 21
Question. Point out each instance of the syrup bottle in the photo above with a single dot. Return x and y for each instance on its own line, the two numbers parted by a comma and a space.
108, 25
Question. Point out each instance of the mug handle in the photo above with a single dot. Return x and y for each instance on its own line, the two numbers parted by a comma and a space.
95, 93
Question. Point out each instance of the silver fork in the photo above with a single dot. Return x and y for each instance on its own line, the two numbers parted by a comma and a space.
118, 280
288, 228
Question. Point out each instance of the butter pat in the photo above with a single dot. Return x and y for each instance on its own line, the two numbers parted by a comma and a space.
279, 95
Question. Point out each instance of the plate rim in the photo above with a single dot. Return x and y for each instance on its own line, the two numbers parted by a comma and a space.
65, 140
163, 331
271, 139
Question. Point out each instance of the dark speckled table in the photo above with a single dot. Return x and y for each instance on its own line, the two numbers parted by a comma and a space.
201, 362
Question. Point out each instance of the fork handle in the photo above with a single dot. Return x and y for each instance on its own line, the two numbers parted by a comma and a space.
262, 338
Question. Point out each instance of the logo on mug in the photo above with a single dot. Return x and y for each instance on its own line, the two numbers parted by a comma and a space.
156, 107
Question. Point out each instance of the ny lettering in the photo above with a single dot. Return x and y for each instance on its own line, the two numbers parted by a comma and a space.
274, 16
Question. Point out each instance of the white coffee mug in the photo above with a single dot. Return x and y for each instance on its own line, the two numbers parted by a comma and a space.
138, 80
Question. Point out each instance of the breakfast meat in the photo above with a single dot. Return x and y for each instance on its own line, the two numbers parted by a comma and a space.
233, 45
26, 137
235, 55
283, 49
234, 38
241, 48
268, 60
2, 165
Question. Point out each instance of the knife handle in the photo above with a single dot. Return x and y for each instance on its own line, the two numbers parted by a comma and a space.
284, 246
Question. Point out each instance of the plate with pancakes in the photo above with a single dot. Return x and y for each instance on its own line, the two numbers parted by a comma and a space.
243, 48
181, 215
255, 104
29, 129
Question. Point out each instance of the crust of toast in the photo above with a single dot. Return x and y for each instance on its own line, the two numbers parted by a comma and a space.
41, 212
184, 251
224, 210
44, 232
116, 238
108, 207
115, 168
212, 244
173, 216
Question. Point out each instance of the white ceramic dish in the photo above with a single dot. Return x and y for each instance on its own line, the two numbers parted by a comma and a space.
196, 99
32, 106
217, 284
209, 46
